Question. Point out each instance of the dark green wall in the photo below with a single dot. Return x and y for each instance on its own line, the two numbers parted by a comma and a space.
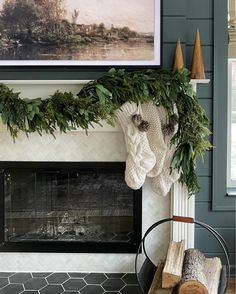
181, 19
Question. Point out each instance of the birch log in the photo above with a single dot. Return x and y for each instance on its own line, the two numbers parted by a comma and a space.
193, 278
156, 287
172, 271
212, 270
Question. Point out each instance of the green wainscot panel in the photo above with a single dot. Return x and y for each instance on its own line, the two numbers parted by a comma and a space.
174, 28
205, 27
208, 107
177, 7
200, 8
206, 90
52, 73
206, 242
216, 219
204, 167
205, 189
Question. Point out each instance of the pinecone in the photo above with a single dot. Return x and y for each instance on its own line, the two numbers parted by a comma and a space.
143, 126
136, 119
168, 129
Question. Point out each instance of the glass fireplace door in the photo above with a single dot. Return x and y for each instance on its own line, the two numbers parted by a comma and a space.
68, 205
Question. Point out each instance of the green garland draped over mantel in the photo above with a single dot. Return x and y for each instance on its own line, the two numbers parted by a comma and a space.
99, 99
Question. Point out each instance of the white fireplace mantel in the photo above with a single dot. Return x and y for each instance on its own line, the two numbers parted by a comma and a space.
181, 203
83, 147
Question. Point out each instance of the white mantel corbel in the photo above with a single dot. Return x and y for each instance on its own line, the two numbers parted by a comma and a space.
182, 204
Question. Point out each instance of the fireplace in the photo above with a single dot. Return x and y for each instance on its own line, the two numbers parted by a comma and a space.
68, 207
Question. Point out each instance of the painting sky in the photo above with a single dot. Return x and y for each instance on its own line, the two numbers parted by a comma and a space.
136, 14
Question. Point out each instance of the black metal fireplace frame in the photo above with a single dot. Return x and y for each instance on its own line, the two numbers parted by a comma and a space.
63, 246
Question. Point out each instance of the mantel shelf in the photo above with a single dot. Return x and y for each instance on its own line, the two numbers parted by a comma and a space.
200, 81
72, 82
45, 82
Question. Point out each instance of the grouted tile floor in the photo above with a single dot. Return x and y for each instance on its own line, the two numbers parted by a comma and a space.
68, 283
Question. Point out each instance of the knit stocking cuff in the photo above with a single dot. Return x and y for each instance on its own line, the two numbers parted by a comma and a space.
125, 112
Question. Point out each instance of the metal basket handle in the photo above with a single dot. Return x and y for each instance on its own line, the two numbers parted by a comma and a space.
189, 220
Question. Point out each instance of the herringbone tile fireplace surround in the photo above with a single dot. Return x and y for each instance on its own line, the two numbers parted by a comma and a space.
101, 144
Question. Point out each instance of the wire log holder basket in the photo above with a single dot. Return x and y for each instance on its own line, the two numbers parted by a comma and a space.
148, 268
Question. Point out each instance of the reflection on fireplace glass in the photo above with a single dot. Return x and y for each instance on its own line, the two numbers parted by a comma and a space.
67, 206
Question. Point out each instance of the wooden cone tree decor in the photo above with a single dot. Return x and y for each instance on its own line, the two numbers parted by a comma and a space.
178, 58
197, 68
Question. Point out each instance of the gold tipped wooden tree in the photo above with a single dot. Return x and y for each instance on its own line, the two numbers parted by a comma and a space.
178, 63
197, 68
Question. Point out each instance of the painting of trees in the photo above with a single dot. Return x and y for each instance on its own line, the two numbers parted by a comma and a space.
35, 20
71, 29
20, 18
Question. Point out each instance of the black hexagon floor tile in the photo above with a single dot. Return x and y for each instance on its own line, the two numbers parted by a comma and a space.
74, 284
130, 279
112, 284
30, 292
68, 283
92, 289
6, 274
95, 278
12, 289
131, 289
115, 275
41, 275
3, 282
57, 278
20, 277
52, 289
78, 275
35, 284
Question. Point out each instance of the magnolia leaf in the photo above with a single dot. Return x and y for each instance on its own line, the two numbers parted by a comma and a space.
101, 96
112, 71
103, 90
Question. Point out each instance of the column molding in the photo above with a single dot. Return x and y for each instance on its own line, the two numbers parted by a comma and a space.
182, 204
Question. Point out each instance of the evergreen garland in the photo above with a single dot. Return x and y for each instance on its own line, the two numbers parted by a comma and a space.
98, 100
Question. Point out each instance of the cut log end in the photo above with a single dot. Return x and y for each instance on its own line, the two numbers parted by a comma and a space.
192, 287
170, 280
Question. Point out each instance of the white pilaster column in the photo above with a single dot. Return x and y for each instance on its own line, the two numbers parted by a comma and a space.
182, 204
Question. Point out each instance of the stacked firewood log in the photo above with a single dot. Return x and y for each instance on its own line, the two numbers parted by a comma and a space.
186, 272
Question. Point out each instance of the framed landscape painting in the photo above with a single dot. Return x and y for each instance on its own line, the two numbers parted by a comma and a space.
80, 33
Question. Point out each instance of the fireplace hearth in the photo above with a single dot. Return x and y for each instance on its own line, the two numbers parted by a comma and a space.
68, 207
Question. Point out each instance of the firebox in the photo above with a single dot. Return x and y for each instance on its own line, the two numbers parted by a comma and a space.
68, 207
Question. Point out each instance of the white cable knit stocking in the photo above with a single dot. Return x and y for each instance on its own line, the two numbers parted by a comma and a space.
140, 159
155, 137
163, 182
